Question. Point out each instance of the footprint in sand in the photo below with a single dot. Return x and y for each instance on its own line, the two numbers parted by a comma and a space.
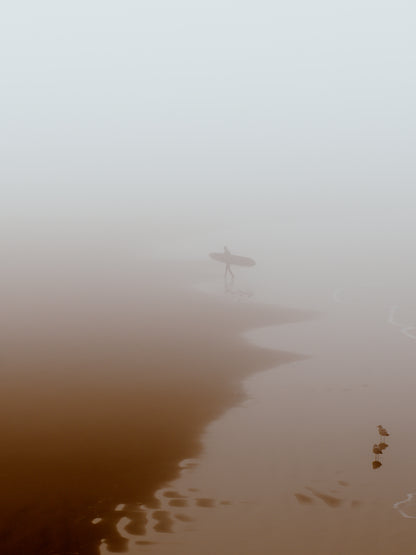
183, 518
304, 499
164, 522
159, 516
329, 500
178, 503
205, 502
173, 495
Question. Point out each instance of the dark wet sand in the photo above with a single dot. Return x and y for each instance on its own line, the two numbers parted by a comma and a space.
109, 376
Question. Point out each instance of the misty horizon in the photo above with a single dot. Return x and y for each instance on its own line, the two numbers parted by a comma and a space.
158, 399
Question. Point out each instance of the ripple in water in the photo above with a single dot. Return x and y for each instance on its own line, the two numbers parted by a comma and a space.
407, 507
340, 296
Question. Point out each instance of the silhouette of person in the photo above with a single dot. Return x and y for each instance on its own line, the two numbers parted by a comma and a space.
227, 256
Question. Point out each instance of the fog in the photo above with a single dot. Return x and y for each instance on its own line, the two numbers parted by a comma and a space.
170, 119
163, 130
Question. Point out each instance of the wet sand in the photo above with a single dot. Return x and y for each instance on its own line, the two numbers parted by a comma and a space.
110, 373
291, 470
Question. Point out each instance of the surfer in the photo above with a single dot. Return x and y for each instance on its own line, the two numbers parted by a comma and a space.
227, 257
231, 259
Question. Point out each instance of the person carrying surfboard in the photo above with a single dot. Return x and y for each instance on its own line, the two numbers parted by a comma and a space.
231, 259
227, 257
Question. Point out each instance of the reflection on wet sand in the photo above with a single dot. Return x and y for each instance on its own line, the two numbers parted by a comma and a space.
232, 288
378, 448
109, 377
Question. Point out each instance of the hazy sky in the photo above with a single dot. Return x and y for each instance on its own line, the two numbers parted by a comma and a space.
181, 110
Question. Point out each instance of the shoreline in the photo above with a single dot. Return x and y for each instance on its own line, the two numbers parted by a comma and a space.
79, 446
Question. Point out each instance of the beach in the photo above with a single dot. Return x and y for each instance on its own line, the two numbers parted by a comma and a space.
110, 375
208, 318
290, 467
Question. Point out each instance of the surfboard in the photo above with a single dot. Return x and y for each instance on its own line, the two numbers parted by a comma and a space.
235, 260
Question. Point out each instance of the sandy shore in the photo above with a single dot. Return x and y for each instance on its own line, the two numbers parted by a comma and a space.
291, 470
109, 376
